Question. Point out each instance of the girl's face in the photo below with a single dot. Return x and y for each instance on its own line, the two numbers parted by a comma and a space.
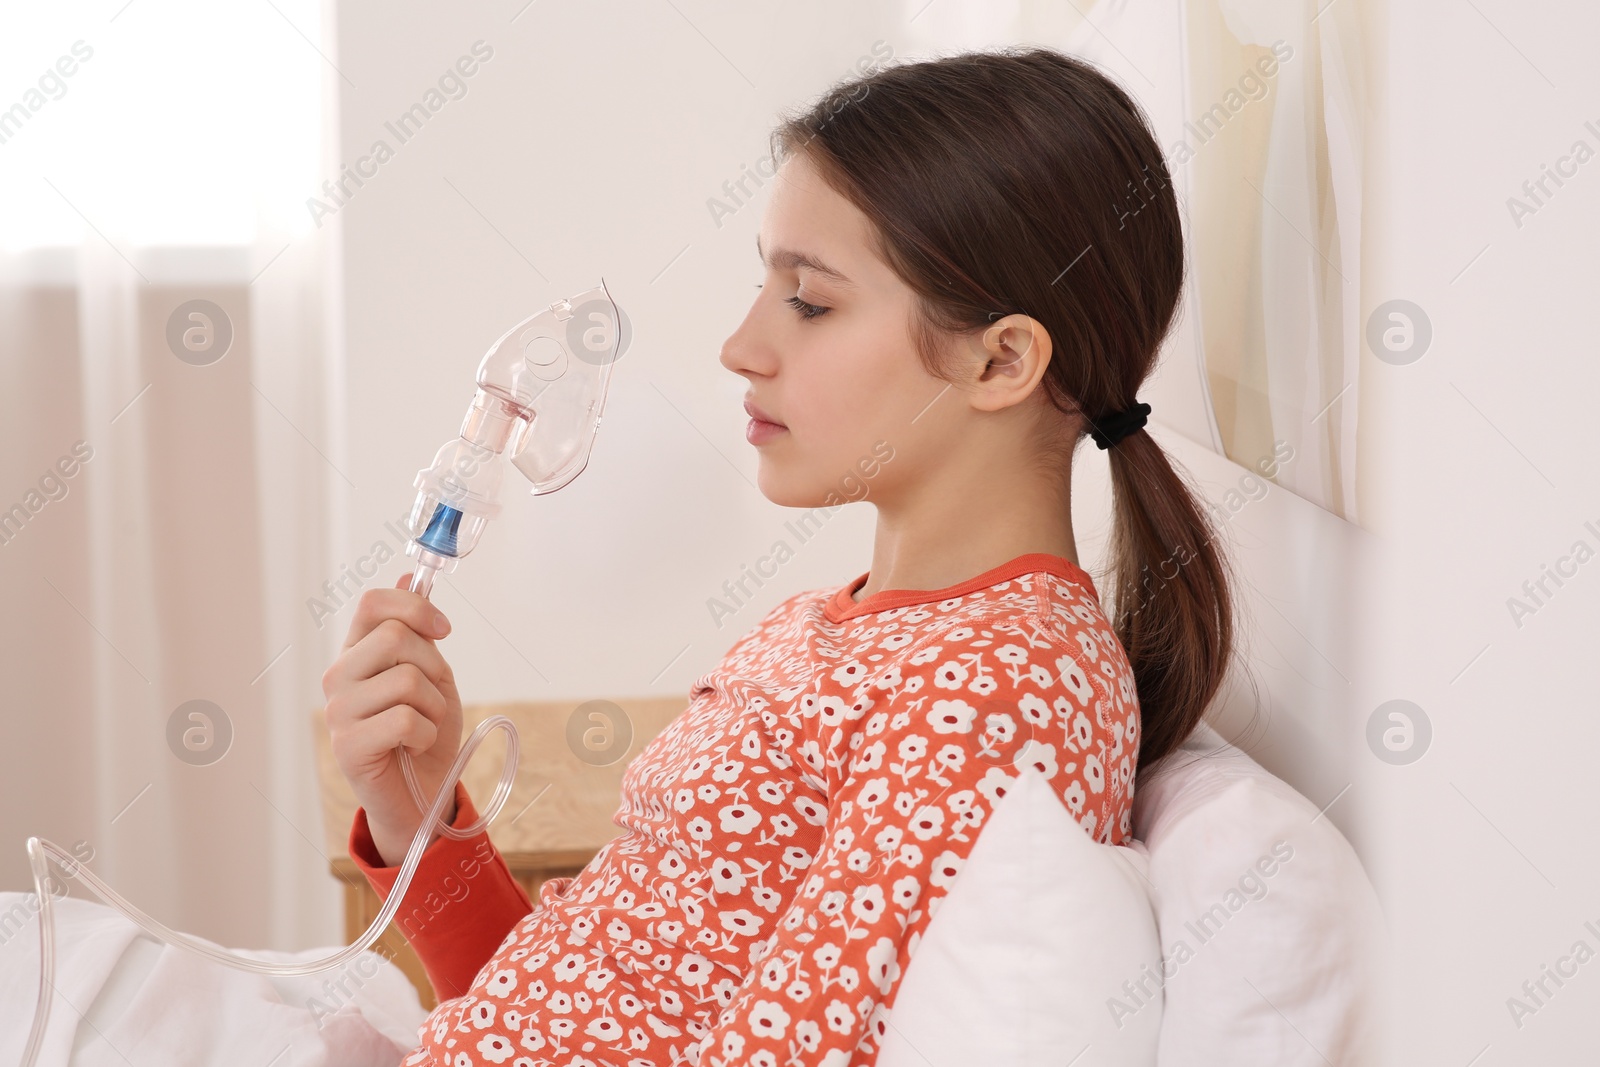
828, 354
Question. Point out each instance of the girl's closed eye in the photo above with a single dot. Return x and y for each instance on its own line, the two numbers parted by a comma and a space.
805, 310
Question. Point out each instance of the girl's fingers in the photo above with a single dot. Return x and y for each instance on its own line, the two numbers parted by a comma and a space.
403, 683
388, 644
413, 609
388, 729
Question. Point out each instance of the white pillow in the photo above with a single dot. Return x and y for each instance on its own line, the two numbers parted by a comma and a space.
1037, 933
1272, 931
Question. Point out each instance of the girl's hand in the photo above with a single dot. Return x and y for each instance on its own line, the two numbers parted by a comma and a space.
390, 687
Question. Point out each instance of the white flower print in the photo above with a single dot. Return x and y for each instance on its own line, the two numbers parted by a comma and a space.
1039, 756
741, 921
913, 748
994, 785
1034, 710
495, 1048
695, 970
726, 876
768, 1019
811, 752
811, 811
1082, 731
832, 710
952, 756
927, 822
849, 674
951, 716
874, 793
883, 967
604, 1029
1093, 774
1075, 680
867, 902
739, 819
950, 675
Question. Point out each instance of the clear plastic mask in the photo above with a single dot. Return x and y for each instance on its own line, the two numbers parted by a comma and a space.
541, 391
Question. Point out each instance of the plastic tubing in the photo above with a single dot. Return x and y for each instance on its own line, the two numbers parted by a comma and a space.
41, 852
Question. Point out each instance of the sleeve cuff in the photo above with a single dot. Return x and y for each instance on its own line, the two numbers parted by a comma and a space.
460, 905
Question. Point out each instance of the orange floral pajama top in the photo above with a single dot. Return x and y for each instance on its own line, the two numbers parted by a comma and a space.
786, 839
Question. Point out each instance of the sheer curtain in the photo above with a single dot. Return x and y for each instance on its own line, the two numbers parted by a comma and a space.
1258, 105
1276, 138
168, 467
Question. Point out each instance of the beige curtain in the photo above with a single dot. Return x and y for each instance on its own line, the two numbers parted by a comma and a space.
1273, 147
168, 473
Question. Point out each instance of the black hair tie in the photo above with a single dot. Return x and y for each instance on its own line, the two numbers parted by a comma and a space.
1111, 428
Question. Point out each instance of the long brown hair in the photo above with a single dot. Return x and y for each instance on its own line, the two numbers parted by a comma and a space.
1024, 180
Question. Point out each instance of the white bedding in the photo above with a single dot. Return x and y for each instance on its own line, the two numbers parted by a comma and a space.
124, 998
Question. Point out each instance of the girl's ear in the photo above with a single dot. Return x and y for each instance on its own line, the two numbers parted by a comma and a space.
1012, 354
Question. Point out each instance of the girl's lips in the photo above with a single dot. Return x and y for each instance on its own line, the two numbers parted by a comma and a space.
763, 427
759, 432
761, 416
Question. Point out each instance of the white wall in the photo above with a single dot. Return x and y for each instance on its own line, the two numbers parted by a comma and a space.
1487, 859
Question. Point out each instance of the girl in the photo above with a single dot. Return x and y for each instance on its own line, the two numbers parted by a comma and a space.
970, 264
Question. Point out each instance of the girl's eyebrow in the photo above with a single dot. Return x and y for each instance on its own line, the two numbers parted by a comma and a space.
788, 259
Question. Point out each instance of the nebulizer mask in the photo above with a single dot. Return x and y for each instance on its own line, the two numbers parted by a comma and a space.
540, 392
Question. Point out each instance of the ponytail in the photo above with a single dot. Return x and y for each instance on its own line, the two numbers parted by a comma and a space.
1171, 604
